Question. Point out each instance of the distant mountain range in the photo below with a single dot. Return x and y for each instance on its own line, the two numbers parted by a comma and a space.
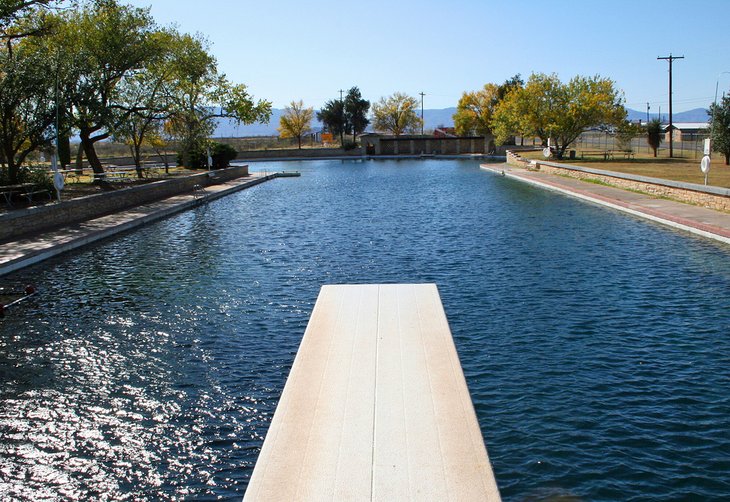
228, 129
433, 118
695, 115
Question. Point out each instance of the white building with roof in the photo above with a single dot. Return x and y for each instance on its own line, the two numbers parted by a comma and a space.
688, 131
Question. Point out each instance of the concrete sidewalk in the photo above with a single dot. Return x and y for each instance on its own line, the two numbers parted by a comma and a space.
697, 220
36, 248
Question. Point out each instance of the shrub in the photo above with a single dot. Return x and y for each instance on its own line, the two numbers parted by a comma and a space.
349, 145
222, 154
42, 178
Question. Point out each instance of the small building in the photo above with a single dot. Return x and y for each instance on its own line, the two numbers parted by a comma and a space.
380, 144
445, 132
688, 131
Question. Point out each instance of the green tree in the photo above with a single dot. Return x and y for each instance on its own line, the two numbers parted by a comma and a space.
474, 111
509, 85
720, 127
296, 121
332, 115
14, 15
396, 114
159, 139
654, 134
144, 93
27, 107
134, 131
198, 94
10, 10
547, 108
527, 110
96, 49
356, 112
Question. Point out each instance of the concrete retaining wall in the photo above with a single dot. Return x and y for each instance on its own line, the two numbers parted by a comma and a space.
42, 218
378, 144
706, 196
303, 153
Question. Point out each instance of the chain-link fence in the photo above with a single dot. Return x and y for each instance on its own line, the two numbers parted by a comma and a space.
689, 146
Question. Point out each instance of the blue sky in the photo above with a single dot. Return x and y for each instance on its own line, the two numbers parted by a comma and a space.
286, 50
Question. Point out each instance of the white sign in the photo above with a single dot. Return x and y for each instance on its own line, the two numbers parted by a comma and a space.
546, 152
58, 181
707, 146
705, 164
57, 177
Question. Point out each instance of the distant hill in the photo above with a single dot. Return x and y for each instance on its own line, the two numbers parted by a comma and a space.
227, 128
433, 118
695, 115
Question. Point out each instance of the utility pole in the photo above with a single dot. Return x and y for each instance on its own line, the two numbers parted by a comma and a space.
647, 112
422, 95
670, 58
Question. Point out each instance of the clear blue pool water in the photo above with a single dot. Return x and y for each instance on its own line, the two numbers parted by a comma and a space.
596, 346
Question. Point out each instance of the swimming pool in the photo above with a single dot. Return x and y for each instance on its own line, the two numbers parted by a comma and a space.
595, 345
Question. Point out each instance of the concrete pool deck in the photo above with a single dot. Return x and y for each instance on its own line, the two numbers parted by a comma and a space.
33, 249
695, 219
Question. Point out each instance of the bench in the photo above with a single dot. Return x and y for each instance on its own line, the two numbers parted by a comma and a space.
9, 191
8, 195
606, 154
110, 175
70, 173
28, 194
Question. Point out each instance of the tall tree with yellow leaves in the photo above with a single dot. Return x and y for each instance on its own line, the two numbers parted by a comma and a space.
296, 121
548, 108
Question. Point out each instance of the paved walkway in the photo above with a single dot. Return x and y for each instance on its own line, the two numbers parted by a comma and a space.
698, 220
33, 249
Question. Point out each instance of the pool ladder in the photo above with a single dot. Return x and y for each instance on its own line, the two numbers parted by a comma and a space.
199, 191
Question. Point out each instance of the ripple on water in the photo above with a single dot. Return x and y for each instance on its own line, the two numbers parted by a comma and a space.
594, 345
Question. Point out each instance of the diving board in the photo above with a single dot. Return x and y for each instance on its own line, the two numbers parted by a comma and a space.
375, 407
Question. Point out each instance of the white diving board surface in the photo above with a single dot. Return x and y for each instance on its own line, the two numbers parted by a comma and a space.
375, 407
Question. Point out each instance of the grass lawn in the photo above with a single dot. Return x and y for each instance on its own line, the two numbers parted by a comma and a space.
678, 169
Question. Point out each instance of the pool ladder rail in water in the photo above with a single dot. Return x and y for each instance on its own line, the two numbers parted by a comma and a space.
15, 298
376, 406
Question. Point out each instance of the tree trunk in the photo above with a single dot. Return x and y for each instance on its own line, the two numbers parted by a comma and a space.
13, 171
138, 160
654, 151
299, 139
163, 156
80, 159
727, 159
88, 143
13, 167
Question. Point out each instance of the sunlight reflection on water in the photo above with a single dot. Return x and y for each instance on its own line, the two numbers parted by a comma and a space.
594, 345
